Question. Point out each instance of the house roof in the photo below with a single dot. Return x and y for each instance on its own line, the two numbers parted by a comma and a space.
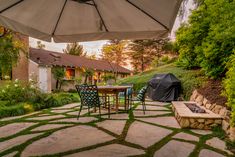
50, 58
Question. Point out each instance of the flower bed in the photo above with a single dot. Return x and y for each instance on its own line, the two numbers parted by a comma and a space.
17, 98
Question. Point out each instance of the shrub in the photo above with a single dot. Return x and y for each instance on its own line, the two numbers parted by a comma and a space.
16, 91
16, 110
229, 86
20, 98
208, 40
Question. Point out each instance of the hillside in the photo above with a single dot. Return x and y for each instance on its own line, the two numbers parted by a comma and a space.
190, 79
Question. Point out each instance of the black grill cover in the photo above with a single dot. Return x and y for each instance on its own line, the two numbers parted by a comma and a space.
164, 87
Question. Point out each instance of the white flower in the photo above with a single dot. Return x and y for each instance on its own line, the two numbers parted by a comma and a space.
30, 80
16, 85
7, 77
3, 91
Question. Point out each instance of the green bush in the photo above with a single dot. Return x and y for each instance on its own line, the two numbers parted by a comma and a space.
229, 85
16, 110
209, 38
20, 98
16, 91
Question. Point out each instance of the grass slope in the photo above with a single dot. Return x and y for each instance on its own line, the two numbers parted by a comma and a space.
190, 79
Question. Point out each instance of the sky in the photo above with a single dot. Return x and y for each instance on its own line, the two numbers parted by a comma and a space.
91, 48
95, 47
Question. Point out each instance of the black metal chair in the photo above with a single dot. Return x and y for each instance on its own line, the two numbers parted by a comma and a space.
90, 97
140, 98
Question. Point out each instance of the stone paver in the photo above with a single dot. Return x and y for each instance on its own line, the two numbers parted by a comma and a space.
175, 149
74, 120
80, 135
201, 132
117, 116
148, 107
185, 136
67, 139
115, 126
60, 111
75, 113
149, 113
11, 154
46, 117
16, 141
156, 103
18, 117
13, 128
217, 143
43, 115
68, 106
209, 153
165, 121
50, 126
113, 150
145, 134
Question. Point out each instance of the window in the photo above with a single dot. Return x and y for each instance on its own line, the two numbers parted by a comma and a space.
70, 73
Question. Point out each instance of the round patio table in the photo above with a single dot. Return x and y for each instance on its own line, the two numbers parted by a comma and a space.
114, 90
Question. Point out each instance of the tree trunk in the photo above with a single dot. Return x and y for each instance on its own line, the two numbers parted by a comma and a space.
57, 84
85, 81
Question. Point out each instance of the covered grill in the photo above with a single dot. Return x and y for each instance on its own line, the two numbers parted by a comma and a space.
164, 87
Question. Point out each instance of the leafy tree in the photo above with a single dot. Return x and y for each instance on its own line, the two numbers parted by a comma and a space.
40, 45
114, 52
10, 47
208, 39
143, 52
75, 49
88, 73
59, 74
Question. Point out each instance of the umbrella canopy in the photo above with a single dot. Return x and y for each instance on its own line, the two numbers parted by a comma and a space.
86, 20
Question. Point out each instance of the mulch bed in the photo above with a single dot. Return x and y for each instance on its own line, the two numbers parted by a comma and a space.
212, 91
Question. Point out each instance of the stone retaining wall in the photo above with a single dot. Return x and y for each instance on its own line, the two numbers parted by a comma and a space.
223, 111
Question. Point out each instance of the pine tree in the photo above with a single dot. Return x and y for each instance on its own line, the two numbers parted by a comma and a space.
74, 49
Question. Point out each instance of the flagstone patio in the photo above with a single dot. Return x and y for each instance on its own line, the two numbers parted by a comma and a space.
57, 132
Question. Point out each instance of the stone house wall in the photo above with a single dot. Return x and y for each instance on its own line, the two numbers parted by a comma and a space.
21, 70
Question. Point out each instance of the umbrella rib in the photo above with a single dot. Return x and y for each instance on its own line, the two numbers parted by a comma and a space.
65, 2
102, 20
148, 15
11, 6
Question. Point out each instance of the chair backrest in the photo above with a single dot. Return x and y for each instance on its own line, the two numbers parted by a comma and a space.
129, 91
88, 94
141, 94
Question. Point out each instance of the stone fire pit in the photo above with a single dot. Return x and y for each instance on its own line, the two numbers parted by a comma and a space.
191, 115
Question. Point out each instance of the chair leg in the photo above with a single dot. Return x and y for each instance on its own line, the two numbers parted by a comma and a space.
144, 108
79, 111
100, 111
109, 108
88, 110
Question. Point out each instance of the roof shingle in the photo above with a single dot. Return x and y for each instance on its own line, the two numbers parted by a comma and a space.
50, 58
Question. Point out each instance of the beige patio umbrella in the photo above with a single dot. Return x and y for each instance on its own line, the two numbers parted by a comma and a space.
87, 20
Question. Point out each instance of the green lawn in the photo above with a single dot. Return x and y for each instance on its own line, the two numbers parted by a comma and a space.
191, 79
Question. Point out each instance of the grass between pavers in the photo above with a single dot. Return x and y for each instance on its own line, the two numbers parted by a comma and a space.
120, 139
